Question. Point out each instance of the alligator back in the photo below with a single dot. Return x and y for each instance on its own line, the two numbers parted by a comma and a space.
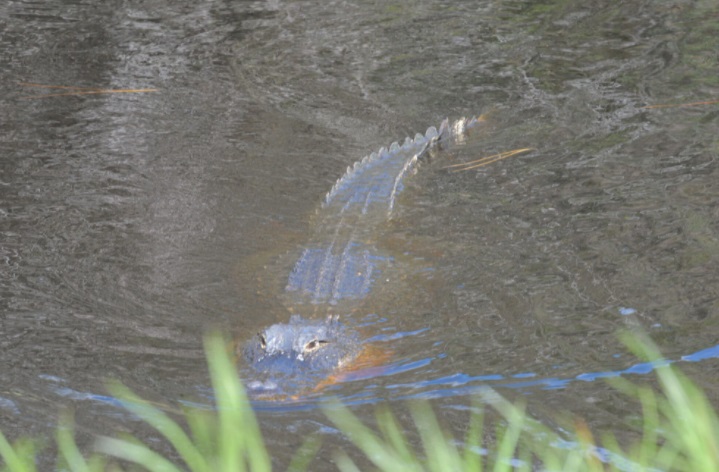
340, 261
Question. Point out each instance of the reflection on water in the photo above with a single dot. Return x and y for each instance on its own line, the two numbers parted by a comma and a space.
131, 223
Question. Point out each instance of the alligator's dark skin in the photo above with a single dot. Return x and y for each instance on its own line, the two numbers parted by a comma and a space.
338, 268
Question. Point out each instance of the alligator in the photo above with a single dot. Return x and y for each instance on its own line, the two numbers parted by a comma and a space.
338, 269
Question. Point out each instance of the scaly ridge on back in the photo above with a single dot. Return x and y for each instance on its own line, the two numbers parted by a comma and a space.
377, 178
339, 262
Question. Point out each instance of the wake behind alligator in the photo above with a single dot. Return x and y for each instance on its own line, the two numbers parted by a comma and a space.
338, 269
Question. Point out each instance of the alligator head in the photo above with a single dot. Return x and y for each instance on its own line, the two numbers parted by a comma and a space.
293, 356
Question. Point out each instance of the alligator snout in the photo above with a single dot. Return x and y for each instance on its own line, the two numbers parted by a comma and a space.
300, 352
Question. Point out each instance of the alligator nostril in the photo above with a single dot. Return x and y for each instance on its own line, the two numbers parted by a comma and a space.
314, 345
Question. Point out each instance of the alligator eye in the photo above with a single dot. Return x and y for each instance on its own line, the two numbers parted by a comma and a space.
263, 342
314, 345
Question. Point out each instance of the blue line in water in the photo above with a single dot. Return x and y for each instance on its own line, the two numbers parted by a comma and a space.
458, 384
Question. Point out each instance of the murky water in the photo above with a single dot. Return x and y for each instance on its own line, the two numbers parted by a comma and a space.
132, 223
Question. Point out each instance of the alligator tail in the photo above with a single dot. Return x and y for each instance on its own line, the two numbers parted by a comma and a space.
377, 178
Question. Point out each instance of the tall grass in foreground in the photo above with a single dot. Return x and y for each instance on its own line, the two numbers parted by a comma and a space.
680, 433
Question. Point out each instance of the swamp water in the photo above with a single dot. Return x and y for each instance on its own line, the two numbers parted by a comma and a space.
132, 223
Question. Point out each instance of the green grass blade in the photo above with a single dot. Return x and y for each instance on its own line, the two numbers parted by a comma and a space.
647, 448
509, 439
474, 439
136, 453
345, 464
67, 447
610, 444
441, 454
18, 458
304, 455
524, 455
393, 434
692, 426
366, 440
239, 433
164, 425
203, 427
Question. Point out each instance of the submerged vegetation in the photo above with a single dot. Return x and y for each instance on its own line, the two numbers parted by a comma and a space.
680, 431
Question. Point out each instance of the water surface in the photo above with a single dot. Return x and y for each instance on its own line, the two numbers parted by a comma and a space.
132, 223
